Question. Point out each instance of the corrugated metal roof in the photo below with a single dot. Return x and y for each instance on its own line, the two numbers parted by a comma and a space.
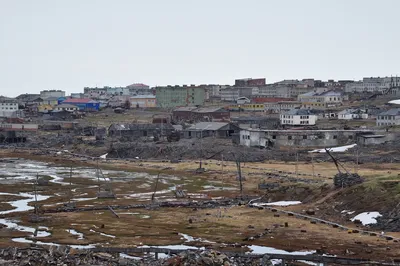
77, 100
394, 111
208, 126
209, 109
298, 112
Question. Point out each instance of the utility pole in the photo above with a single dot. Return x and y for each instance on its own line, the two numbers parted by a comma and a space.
297, 164
35, 188
222, 162
155, 189
70, 185
201, 147
312, 164
357, 160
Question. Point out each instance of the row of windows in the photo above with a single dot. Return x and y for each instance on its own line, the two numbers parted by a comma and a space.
387, 124
305, 122
9, 108
291, 137
304, 117
388, 117
9, 104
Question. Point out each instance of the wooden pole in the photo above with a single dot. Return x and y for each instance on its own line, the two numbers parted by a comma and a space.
222, 162
155, 189
312, 164
297, 164
34, 185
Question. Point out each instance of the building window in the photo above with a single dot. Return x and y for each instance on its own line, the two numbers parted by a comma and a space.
274, 137
289, 137
334, 137
304, 136
350, 137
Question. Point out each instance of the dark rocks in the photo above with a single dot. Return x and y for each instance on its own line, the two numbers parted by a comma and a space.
341, 180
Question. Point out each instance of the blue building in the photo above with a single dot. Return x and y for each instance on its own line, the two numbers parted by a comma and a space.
85, 104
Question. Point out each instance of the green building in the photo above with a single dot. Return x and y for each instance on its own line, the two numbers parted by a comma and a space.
174, 96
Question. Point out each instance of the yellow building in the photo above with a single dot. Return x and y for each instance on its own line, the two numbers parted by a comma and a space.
143, 101
45, 108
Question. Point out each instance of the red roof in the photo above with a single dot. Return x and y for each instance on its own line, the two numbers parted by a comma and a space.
270, 100
77, 100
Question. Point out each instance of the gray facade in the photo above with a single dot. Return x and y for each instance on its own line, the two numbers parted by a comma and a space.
299, 138
131, 132
211, 129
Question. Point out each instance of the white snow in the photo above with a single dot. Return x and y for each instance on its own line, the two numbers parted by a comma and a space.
367, 217
75, 233
104, 156
335, 149
394, 101
261, 250
278, 203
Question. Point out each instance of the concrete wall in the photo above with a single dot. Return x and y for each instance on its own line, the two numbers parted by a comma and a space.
168, 97
304, 138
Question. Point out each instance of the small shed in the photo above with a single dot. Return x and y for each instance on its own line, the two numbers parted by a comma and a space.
371, 139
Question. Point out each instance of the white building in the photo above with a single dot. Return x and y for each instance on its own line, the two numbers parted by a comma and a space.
279, 107
298, 117
350, 114
389, 118
66, 107
323, 96
52, 93
8, 108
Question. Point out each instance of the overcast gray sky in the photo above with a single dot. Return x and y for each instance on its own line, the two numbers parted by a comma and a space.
70, 44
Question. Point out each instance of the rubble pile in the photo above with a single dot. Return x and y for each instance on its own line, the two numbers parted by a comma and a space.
391, 221
210, 258
58, 256
63, 255
341, 180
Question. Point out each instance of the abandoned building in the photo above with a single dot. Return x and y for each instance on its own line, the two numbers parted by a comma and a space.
203, 114
211, 129
261, 122
15, 133
299, 138
134, 131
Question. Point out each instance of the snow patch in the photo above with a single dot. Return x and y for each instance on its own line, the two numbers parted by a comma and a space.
262, 250
335, 149
278, 203
394, 101
367, 217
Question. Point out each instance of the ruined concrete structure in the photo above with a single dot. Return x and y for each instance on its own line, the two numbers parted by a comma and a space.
303, 138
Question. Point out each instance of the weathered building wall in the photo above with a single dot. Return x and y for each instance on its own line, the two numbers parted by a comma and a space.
301, 138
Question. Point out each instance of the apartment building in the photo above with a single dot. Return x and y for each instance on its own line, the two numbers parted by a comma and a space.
298, 117
175, 96
389, 118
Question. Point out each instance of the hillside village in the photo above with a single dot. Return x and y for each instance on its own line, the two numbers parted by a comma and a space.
243, 110
242, 167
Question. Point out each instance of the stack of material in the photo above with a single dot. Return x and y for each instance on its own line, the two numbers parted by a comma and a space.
210, 258
347, 180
